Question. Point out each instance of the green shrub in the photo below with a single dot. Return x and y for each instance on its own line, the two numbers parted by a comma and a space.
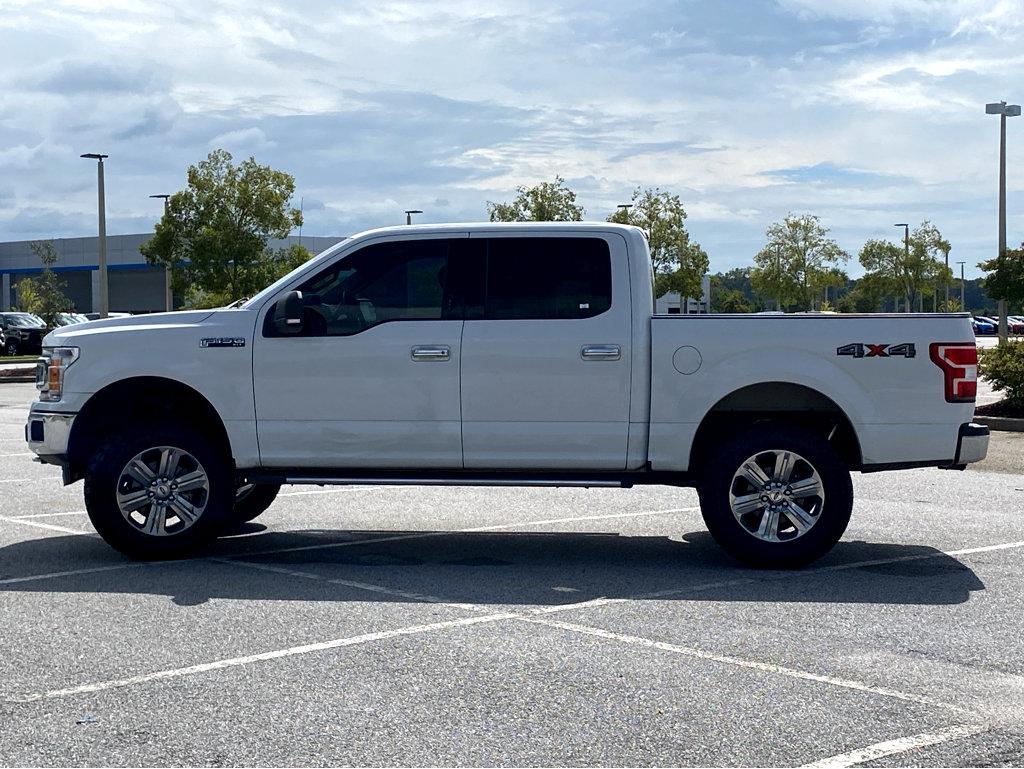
1003, 366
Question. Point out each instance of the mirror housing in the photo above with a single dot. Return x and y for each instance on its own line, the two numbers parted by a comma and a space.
288, 314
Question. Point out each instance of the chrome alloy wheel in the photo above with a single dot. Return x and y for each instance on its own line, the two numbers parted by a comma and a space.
776, 495
162, 491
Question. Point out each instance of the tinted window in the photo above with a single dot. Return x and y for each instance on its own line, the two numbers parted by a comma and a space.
534, 278
405, 280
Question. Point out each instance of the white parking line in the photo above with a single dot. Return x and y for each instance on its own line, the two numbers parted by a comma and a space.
901, 745
73, 573
763, 667
251, 658
47, 515
19, 480
19, 454
49, 526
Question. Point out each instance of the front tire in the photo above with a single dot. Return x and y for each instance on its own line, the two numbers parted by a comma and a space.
776, 496
11, 347
159, 493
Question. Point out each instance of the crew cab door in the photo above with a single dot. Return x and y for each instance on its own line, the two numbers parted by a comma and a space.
372, 380
546, 353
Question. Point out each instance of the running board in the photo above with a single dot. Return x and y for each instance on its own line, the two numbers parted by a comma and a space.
404, 481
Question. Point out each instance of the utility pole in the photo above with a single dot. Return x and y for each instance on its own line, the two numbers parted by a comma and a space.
104, 304
963, 303
1004, 111
168, 292
906, 250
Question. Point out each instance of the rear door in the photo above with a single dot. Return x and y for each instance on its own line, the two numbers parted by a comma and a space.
546, 354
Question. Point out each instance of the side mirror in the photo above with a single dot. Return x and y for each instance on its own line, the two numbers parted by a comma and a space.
288, 314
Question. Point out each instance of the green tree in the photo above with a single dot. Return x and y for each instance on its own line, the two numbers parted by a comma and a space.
546, 202
912, 269
679, 263
1006, 276
867, 295
44, 295
729, 300
797, 262
214, 233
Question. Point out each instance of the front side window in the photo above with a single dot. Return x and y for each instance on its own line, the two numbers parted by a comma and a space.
401, 280
547, 278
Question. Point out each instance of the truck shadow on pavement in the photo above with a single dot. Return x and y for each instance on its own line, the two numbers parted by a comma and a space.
488, 568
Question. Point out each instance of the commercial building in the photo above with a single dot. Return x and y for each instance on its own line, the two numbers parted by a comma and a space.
133, 284
672, 303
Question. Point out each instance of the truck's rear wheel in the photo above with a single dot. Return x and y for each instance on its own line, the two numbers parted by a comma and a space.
252, 500
776, 496
160, 493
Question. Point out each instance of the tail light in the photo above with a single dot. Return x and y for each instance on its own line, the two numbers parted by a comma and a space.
959, 364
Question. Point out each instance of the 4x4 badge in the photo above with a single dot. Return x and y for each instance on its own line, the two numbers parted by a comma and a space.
863, 350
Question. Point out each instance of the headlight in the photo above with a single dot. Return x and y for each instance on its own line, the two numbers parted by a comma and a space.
50, 371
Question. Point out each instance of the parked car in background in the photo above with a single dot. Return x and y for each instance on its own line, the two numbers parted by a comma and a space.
1014, 324
24, 332
96, 315
982, 327
69, 318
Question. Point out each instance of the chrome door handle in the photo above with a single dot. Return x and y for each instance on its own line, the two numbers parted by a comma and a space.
601, 352
431, 352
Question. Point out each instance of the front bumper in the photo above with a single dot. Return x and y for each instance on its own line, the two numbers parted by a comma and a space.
47, 434
972, 444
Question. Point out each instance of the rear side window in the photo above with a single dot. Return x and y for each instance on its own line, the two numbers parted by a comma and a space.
547, 278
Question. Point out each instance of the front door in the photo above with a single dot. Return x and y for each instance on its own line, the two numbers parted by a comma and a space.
373, 378
546, 357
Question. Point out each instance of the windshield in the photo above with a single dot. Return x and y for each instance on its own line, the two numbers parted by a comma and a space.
277, 284
25, 320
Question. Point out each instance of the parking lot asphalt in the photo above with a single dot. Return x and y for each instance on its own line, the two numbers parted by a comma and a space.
469, 626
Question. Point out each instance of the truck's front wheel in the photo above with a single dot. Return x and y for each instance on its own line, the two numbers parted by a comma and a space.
776, 496
252, 500
159, 493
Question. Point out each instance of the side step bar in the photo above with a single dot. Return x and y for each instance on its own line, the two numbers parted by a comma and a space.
399, 481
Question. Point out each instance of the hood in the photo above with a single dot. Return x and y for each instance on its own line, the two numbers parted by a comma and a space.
73, 334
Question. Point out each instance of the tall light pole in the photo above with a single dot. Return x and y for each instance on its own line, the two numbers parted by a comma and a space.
906, 250
104, 306
409, 213
1004, 111
963, 303
168, 293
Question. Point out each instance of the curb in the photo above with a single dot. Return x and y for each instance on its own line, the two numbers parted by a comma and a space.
1006, 424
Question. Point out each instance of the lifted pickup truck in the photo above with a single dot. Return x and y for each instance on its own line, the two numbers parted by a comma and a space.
504, 354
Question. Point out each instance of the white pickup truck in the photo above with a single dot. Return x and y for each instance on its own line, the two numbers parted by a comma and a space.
498, 354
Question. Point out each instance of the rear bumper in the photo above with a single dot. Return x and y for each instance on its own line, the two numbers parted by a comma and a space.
972, 444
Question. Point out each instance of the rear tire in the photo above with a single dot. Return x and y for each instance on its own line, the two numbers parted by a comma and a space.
776, 496
159, 493
253, 502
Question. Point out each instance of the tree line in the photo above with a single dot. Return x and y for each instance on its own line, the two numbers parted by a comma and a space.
214, 238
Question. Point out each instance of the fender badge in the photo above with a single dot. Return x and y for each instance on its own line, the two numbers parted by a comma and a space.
223, 341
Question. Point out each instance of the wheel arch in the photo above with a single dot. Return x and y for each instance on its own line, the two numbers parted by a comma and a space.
138, 400
786, 402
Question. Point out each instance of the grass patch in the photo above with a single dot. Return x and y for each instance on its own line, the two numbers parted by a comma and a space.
18, 359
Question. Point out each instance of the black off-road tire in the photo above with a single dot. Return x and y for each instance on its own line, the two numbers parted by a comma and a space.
734, 538
105, 469
253, 503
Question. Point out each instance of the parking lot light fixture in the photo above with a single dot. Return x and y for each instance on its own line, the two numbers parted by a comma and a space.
906, 250
103, 308
409, 213
963, 305
1004, 111
168, 292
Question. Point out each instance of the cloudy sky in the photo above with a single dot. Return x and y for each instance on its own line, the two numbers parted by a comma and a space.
865, 112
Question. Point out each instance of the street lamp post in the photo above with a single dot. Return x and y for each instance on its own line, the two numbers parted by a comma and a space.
906, 250
409, 213
963, 303
104, 306
1004, 111
168, 293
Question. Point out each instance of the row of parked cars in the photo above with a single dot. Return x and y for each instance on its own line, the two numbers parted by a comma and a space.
21, 333
985, 325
